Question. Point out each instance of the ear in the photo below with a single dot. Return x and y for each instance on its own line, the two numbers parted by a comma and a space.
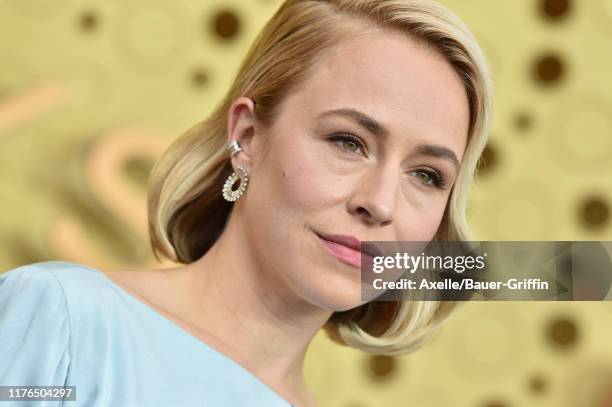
241, 127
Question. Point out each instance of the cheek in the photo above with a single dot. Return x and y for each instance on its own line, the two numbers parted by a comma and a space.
291, 186
304, 184
419, 224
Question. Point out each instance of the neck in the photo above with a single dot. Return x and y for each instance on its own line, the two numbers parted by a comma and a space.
256, 318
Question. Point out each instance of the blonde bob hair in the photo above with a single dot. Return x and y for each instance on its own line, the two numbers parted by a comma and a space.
186, 211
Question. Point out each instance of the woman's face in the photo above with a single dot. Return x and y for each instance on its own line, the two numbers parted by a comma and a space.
368, 147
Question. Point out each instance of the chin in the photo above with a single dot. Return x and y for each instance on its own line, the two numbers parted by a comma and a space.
335, 297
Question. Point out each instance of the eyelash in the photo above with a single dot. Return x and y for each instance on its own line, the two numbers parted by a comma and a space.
437, 178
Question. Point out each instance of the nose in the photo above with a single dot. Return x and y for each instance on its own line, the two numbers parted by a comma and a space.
375, 196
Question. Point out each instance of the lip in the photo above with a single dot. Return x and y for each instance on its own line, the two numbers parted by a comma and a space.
345, 248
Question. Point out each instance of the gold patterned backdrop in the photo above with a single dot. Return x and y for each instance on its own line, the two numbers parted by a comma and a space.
91, 92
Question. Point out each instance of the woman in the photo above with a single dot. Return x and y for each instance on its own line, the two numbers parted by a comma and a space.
348, 121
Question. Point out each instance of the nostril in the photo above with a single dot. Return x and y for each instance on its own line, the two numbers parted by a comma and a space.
363, 211
370, 218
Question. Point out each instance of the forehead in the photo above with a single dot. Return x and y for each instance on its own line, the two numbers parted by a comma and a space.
409, 88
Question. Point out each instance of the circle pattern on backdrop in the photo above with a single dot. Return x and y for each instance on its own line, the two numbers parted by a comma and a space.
382, 367
594, 212
523, 121
562, 333
549, 69
555, 10
151, 37
492, 341
89, 21
226, 25
523, 214
581, 135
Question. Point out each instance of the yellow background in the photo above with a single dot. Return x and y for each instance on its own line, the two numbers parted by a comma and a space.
91, 92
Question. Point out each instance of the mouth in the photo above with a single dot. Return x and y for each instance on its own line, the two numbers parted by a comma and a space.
347, 249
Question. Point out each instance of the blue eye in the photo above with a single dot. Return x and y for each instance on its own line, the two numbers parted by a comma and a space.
431, 178
348, 142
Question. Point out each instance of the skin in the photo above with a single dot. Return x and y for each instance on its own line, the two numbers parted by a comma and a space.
267, 286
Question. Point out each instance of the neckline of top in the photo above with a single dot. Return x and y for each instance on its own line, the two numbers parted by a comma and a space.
179, 329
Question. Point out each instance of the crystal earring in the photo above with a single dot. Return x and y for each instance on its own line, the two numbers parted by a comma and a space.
229, 193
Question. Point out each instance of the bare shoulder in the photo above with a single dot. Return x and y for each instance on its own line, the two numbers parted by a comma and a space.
171, 292
152, 286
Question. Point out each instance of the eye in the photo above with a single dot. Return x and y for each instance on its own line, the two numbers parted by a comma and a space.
348, 142
431, 178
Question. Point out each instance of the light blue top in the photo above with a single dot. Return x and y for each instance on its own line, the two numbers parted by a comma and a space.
63, 323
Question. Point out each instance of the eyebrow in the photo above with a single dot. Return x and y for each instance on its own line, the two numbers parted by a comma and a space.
378, 129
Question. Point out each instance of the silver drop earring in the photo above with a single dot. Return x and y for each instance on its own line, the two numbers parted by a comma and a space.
241, 174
